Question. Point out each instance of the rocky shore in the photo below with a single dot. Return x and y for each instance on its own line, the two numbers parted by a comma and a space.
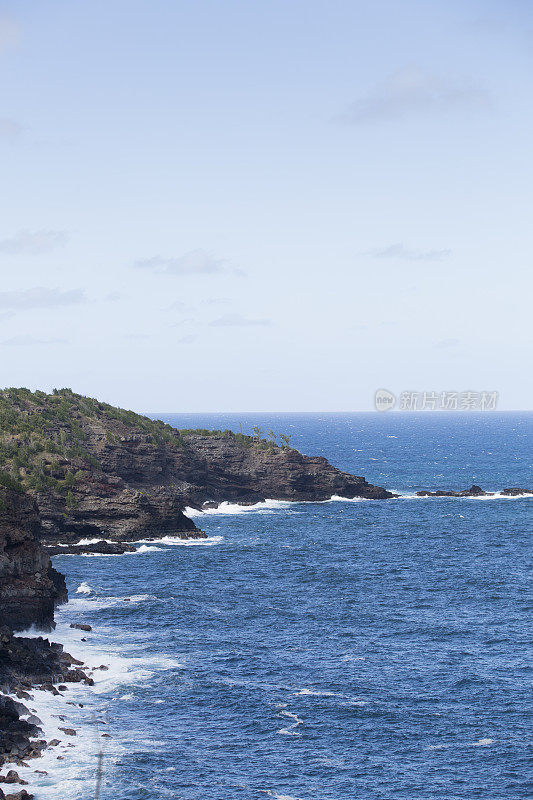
30, 589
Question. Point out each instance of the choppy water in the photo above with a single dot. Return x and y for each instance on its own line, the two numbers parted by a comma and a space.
332, 651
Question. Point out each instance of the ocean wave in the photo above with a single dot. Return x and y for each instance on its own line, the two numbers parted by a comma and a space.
84, 588
71, 765
144, 548
175, 541
227, 508
84, 542
335, 498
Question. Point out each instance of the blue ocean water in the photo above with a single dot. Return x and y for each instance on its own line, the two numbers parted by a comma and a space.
366, 650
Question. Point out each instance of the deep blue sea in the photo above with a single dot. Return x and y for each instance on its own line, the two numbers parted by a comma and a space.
367, 650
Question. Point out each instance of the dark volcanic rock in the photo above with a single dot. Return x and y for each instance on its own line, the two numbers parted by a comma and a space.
29, 587
102, 547
104, 472
474, 491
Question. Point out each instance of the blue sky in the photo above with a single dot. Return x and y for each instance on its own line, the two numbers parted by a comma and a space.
266, 205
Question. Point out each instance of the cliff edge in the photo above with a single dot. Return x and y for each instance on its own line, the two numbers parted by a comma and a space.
95, 470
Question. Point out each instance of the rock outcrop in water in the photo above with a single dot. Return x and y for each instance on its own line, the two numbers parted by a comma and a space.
474, 491
101, 472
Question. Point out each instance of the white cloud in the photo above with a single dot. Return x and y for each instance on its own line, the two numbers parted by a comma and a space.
446, 344
10, 130
399, 250
195, 262
9, 32
41, 297
33, 242
234, 319
411, 91
25, 340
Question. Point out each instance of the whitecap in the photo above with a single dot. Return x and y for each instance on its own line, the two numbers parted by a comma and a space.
84, 542
291, 729
84, 588
176, 541
225, 508
335, 498
144, 548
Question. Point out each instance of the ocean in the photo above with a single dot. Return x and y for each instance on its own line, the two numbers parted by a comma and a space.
344, 650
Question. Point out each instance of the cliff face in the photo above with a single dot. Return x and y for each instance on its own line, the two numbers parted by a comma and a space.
97, 470
29, 586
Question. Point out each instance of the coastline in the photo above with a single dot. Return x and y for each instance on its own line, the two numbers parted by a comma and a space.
75, 758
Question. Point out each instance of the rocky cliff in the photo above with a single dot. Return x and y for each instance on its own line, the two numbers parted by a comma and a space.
29, 587
94, 469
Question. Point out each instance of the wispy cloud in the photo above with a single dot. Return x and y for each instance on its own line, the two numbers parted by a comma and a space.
187, 339
112, 297
238, 320
9, 32
195, 262
446, 344
25, 340
41, 297
10, 129
179, 305
184, 321
217, 301
412, 91
33, 242
399, 250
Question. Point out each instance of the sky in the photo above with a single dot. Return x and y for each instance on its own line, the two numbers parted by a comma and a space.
279, 205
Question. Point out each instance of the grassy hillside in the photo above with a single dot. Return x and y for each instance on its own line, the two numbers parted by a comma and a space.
44, 437
47, 440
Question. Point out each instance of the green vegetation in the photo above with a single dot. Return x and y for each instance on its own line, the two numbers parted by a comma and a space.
53, 442
44, 438
10, 483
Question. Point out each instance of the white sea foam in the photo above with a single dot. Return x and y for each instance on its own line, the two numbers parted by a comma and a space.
84, 588
282, 796
225, 508
335, 498
176, 541
291, 729
71, 765
479, 743
83, 542
73, 774
144, 548
353, 701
